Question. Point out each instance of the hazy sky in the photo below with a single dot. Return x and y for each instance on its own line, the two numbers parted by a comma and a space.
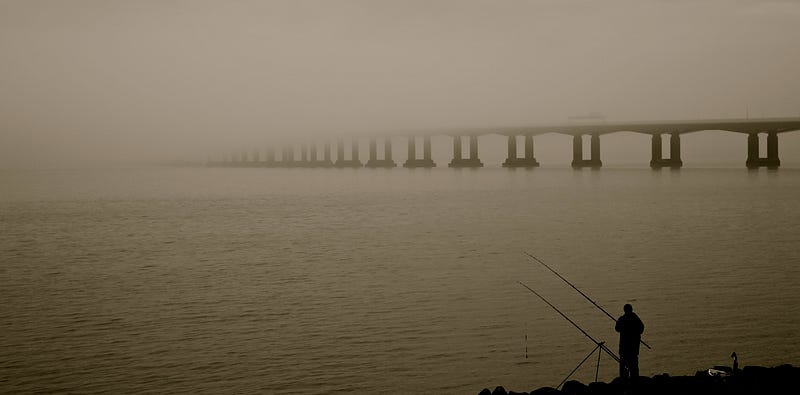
103, 79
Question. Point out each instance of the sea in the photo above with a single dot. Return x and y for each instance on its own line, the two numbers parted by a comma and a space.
191, 279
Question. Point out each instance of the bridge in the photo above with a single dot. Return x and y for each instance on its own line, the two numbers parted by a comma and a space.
319, 153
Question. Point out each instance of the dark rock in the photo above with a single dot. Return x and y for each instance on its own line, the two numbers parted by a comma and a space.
574, 387
546, 391
499, 390
601, 388
750, 380
485, 391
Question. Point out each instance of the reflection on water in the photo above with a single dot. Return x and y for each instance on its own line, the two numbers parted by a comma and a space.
324, 280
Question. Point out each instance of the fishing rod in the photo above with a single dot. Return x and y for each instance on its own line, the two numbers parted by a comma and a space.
599, 344
579, 291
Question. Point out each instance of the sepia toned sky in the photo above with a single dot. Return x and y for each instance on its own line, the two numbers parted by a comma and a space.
107, 80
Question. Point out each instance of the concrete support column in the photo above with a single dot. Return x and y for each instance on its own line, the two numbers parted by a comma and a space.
754, 160
512, 148
256, 155
772, 151
529, 147
595, 148
353, 161
426, 148
655, 152
373, 154
303, 153
473, 147
674, 161
675, 147
456, 148
270, 154
315, 161
290, 153
675, 150
752, 151
577, 151
513, 161
412, 160
458, 160
288, 156
327, 154
340, 151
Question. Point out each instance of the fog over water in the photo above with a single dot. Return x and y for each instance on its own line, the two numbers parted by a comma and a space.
98, 82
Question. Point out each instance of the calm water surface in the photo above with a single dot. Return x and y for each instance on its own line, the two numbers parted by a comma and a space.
196, 280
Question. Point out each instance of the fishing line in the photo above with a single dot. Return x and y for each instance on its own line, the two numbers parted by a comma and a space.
579, 291
599, 346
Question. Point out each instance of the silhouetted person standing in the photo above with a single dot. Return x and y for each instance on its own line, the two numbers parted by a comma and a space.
630, 329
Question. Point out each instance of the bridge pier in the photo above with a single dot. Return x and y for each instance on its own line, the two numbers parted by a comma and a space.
287, 157
303, 162
674, 161
256, 158
315, 161
754, 161
387, 161
312, 154
412, 161
577, 152
236, 159
269, 157
233, 159
528, 161
250, 159
472, 161
353, 161
327, 156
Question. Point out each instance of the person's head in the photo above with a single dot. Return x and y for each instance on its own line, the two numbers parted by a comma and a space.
627, 308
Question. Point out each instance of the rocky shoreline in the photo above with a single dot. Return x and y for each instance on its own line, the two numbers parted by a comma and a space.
748, 380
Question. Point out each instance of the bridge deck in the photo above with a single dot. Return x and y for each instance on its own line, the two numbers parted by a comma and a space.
779, 125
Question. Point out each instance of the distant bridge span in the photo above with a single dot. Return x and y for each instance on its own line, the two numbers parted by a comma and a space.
746, 126
308, 151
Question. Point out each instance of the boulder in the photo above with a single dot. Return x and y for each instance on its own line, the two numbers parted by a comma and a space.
499, 390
